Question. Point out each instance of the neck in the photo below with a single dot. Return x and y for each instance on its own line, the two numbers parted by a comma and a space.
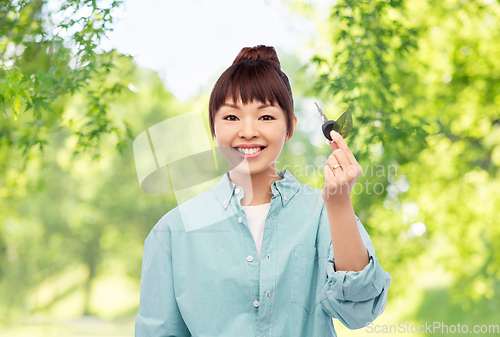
257, 187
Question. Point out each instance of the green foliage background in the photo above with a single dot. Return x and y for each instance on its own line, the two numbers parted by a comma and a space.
422, 81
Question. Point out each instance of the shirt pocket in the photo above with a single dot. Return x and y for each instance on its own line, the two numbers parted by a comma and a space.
305, 276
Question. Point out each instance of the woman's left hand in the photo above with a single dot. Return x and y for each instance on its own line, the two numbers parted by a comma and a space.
341, 171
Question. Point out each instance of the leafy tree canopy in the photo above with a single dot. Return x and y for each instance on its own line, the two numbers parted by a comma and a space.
45, 57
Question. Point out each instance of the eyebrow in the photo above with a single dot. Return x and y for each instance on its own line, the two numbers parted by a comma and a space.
261, 106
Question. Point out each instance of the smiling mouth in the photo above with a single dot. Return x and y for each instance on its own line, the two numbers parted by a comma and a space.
249, 151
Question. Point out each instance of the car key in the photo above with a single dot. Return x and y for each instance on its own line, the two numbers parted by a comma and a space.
343, 125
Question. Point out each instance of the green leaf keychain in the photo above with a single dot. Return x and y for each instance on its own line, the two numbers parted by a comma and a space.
343, 125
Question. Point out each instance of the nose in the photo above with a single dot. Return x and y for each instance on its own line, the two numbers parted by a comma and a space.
248, 130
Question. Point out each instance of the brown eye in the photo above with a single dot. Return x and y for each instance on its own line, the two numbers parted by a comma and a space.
270, 117
228, 118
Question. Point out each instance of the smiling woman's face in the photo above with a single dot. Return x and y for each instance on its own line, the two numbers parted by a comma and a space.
257, 129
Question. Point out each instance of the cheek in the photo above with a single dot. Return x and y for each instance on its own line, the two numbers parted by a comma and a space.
217, 129
221, 135
283, 135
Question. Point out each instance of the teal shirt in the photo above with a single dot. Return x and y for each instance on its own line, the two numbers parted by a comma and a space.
201, 274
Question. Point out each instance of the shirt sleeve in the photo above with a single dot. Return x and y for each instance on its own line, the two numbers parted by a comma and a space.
356, 298
159, 314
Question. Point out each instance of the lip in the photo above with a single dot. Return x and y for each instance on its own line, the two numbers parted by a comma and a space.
249, 146
249, 156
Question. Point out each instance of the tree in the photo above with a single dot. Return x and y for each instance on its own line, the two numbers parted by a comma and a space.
65, 213
47, 56
421, 79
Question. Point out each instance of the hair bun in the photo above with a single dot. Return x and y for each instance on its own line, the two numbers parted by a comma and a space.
259, 53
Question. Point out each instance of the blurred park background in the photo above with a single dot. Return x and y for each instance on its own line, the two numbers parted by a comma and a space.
422, 79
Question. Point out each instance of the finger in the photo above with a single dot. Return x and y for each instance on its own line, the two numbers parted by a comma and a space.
333, 162
341, 158
327, 171
333, 145
331, 181
337, 138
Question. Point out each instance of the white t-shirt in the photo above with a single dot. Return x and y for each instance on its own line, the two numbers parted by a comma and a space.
256, 217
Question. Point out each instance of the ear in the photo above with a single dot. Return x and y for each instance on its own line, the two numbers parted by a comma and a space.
293, 129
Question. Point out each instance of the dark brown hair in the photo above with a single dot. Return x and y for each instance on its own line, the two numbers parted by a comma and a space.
254, 75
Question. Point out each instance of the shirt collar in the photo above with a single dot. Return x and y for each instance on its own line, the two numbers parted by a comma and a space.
285, 188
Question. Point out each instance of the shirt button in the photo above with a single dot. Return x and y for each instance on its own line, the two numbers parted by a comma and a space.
249, 258
284, 197
240, 219
256, 304
225, 201
237, 190
268, 257
267, 294
271, 216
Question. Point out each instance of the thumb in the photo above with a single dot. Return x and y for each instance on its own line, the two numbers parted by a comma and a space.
334, 146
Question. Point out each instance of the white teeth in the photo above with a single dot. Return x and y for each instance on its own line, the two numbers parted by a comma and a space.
249, 151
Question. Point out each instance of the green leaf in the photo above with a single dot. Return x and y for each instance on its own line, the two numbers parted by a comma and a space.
343, 125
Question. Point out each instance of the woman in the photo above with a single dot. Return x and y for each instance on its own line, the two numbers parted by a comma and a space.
317, 263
